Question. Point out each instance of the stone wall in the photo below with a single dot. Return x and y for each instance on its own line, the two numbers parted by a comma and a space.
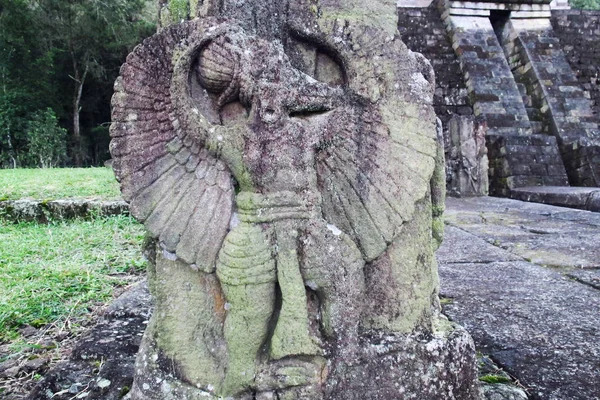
579, 34
491, 85
556, 97
421, 29
28, 210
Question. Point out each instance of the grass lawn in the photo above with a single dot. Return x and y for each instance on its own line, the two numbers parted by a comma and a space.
58, 183
51, 273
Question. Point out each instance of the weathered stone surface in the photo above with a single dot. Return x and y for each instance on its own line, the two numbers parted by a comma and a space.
502, 392
101, 365
467, 160
589, 277
537, 323
287, 163
565, 196
464, 247
565, 238
537, 327
26, 210
494, 382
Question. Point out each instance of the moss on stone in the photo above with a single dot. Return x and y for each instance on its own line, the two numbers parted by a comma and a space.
494, 379
193, 8
179, 10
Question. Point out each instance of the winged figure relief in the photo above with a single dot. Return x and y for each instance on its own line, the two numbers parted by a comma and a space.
279, 168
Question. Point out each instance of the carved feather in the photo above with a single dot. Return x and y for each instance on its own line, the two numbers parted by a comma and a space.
181, 193
376, 159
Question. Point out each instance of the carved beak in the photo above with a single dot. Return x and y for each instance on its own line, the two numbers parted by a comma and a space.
312, 96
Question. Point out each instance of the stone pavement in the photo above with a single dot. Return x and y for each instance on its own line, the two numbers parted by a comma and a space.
524, 280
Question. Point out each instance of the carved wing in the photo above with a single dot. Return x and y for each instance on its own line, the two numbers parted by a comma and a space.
378, 155
182, 193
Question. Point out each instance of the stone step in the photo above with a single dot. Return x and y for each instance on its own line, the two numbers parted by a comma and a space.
585, 198
522, 88
535, 114
537, 127
525, 160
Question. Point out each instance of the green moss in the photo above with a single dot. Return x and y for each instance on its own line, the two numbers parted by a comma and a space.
179, 10
124, 390
442, 327
438, 210
437, 227
193, 8
187, 320
446, 300
494, 379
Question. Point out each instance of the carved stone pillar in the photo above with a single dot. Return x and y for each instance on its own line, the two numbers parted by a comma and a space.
284, 157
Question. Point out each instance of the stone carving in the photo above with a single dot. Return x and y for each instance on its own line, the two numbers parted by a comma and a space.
293, 189
467, 161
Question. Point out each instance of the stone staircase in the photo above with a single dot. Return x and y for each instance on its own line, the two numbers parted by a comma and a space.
537, 115
524, 160
545, 166
519, 154
555, 102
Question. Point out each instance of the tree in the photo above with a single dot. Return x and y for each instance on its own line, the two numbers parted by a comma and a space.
90, 36
585, 4
26, 74
47, 140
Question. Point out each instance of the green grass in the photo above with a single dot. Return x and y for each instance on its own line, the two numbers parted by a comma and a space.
57, 271
58, 183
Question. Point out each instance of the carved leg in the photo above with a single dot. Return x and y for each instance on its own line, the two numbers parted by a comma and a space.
246, 270
332, 265
245, 331
291, 336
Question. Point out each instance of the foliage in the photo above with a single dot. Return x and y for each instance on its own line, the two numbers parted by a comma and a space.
52, 272
60, 183
92, 38
585, 4
26, 78
65, 55
47, 140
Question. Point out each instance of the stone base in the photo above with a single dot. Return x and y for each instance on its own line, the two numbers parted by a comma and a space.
440, 366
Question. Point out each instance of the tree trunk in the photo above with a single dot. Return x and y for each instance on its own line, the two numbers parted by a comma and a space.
78, 152
11, 152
